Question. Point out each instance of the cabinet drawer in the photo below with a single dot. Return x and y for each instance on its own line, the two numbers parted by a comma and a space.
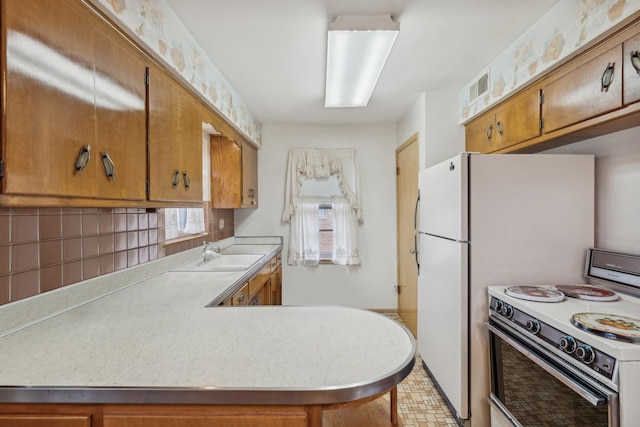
579, 95
258, 280
241, 297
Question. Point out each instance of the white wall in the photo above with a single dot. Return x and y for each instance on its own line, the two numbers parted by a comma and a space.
370, 285
617, 188
414, 121
434, 116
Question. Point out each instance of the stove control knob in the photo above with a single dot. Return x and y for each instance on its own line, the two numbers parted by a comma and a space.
498, 306
533, 326
507, 311
568, 344
586, 354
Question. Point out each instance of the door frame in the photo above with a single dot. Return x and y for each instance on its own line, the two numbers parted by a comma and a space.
413, 139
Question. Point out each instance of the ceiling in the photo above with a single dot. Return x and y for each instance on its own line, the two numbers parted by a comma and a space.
272, 52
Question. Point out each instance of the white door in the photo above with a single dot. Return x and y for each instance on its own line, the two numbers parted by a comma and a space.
443, 316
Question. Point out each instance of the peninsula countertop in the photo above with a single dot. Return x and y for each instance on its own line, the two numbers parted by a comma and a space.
156, 341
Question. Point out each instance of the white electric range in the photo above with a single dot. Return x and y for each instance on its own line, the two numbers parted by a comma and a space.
545, 344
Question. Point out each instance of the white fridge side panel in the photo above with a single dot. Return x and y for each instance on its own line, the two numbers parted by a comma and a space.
532, 228
442, 316
443, 199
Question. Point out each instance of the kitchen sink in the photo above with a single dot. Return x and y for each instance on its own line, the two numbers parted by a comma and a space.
235, 262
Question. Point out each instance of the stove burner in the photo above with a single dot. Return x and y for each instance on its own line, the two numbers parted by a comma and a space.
609, 326
587, 292
535, 293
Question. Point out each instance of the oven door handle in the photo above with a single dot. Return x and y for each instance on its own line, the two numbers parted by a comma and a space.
594, 399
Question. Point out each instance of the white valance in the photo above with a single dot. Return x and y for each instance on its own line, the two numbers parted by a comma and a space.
321, 163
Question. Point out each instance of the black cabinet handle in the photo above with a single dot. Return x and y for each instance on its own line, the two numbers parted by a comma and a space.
186, 180
635, 60
83, 158
109, 166
500, 128
607, 77
176, 179
490, 132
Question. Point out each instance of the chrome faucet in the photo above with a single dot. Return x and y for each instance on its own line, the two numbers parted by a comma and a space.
209, 247
209, 252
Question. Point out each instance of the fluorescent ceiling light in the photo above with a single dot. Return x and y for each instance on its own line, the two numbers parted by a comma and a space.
357, 48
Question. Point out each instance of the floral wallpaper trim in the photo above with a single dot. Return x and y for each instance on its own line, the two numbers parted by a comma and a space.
566, 28
157, 26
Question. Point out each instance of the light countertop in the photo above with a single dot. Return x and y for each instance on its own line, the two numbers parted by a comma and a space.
157, 342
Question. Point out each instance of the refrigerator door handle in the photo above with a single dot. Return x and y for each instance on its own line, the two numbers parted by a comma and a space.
415, 212
415, 251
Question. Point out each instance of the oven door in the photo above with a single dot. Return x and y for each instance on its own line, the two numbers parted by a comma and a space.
531, 386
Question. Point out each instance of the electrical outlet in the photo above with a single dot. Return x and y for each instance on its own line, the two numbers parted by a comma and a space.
221, 224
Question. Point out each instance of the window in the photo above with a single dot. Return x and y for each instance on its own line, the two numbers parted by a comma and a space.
325, 230
322, 206
183, 222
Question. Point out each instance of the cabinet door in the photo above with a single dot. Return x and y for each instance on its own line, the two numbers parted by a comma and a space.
481, 135
121, 127
580, 94
175, 141
241, 297
518, 120
18, 420
631, 70
276, 287
72, 84
249, 176
48, 98
226, 173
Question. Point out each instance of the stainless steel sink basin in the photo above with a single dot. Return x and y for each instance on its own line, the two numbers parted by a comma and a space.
235, 262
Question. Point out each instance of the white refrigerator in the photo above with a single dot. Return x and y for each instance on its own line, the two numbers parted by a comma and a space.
504, 219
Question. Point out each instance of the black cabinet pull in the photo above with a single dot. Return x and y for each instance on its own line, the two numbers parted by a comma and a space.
186, 180
176, 179
499, 128
635, 60
490, 132
109, 166
607, 77
83, 158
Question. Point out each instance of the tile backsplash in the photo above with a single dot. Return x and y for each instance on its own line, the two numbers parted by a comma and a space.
42, 249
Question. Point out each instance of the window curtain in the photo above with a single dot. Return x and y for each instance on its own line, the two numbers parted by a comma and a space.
181, 221
320, 163
304, 239
345, 234
302, 212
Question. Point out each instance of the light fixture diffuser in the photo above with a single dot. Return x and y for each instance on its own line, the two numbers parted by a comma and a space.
357, 49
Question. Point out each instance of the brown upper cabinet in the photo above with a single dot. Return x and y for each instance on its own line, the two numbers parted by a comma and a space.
590, 90
249, 176
631, 70
234, 173
175, 141
593, 94
74, 105
226, 178
515, 121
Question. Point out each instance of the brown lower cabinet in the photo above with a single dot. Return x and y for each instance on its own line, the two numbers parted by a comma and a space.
265, 288
32, 420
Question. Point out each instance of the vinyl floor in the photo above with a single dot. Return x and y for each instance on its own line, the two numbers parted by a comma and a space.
419, 405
